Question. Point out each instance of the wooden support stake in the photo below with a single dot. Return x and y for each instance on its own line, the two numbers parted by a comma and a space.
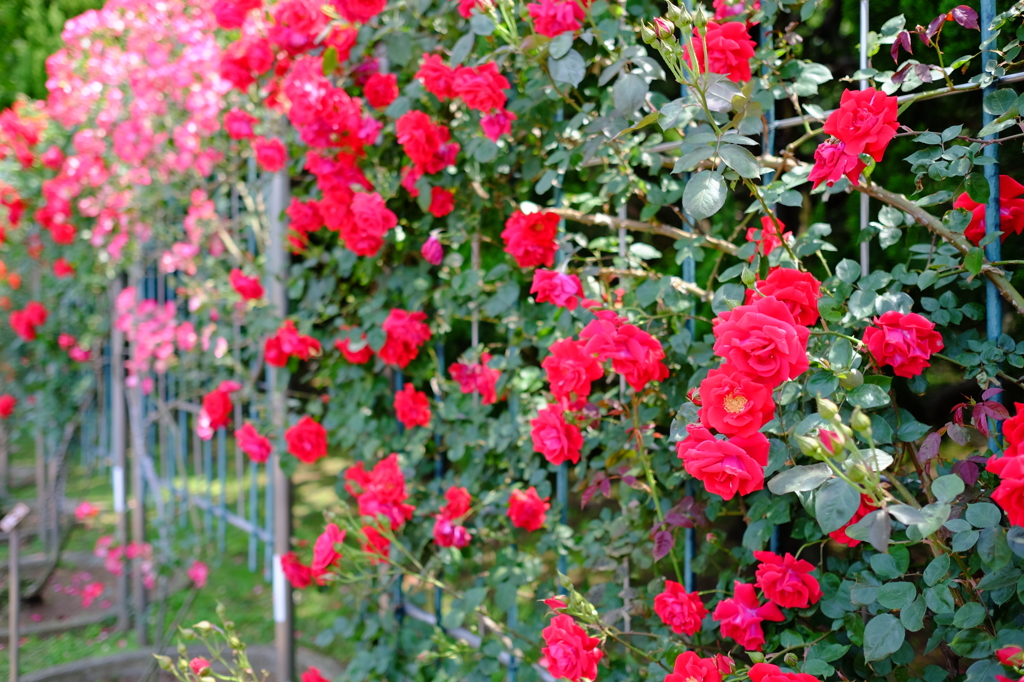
9, 525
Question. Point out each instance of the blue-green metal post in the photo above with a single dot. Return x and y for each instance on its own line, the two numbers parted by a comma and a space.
222, 507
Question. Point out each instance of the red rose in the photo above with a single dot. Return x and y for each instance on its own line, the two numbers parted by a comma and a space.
432, 251
61, 268
497, 123
313, 675
740, 617
231, 13
449, 534
556, 288
238, 124
766, 672
865, 121
531, 239
787, 581
832, 161
481, 88
680, 610
1011, 211
799, 290
297, 573
527, 510
381, 89
1011, 655
307, 440
359, 11
689, 667
25, 322
726, 467
635, 354
865, 508
248, 288
436, 76
375, 544
380, 492
569, 652
1013, 431
457, 503
570, 369
905, 342
404, 333
1009, 494
368, 221
7, 404
555, 17
442, 202
306, 217
769, 237
324, 553
729, 50
199, 666
763, 341
65, 341
477, 378
253, 444
356, 357
217, 406
270, 153
555, 438
297, 23
734, 404
411, 407
342, 39
419, 137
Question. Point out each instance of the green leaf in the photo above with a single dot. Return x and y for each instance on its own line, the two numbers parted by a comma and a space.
692, 158
835, 503
868, 396
503, 299
983, 515
884, 566
800, 479
569, 69
740, 160
936, 570
999, 102
561, 44
969, 615
912, 616
939, 599
330, 60
896, 595
704, 195
964, 540
973, 644
463, 46
977, 187
947, 488
628, 93
974, 260
883, 636
848, 270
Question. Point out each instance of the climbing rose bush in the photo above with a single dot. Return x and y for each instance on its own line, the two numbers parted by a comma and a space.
572, 323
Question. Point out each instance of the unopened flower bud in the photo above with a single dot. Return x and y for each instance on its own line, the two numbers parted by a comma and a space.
857, 473
809, 447
235, 643
164, 662
694, 396
860, 422
663, 28
827, 409
187, 633
700, 20
648, 36
203, 627
791, 659
432, 250
199, 666
832, 442
748, 277
679, 16
851, 379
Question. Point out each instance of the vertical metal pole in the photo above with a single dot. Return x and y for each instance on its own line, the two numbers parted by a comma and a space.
399, 382
865, 207
993, 301
183, 438
14, 603
117, 454
41, 506
5, 461
208, 475
222, 474
276, 273
138, 519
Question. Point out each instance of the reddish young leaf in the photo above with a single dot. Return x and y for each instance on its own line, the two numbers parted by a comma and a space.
958, 434
933, 28
924, 72
966, 17
989, 392
967, 471
901, 75
587, 495
978, 415
606, 487
902, 40
663, 544
995, 410
929, 448
674, 518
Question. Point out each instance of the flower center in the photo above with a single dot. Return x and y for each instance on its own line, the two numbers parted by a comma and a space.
734, 403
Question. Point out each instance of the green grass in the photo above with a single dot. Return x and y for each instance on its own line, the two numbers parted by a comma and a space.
246, 595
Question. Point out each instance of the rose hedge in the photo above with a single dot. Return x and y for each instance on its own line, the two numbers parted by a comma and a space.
479, 290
